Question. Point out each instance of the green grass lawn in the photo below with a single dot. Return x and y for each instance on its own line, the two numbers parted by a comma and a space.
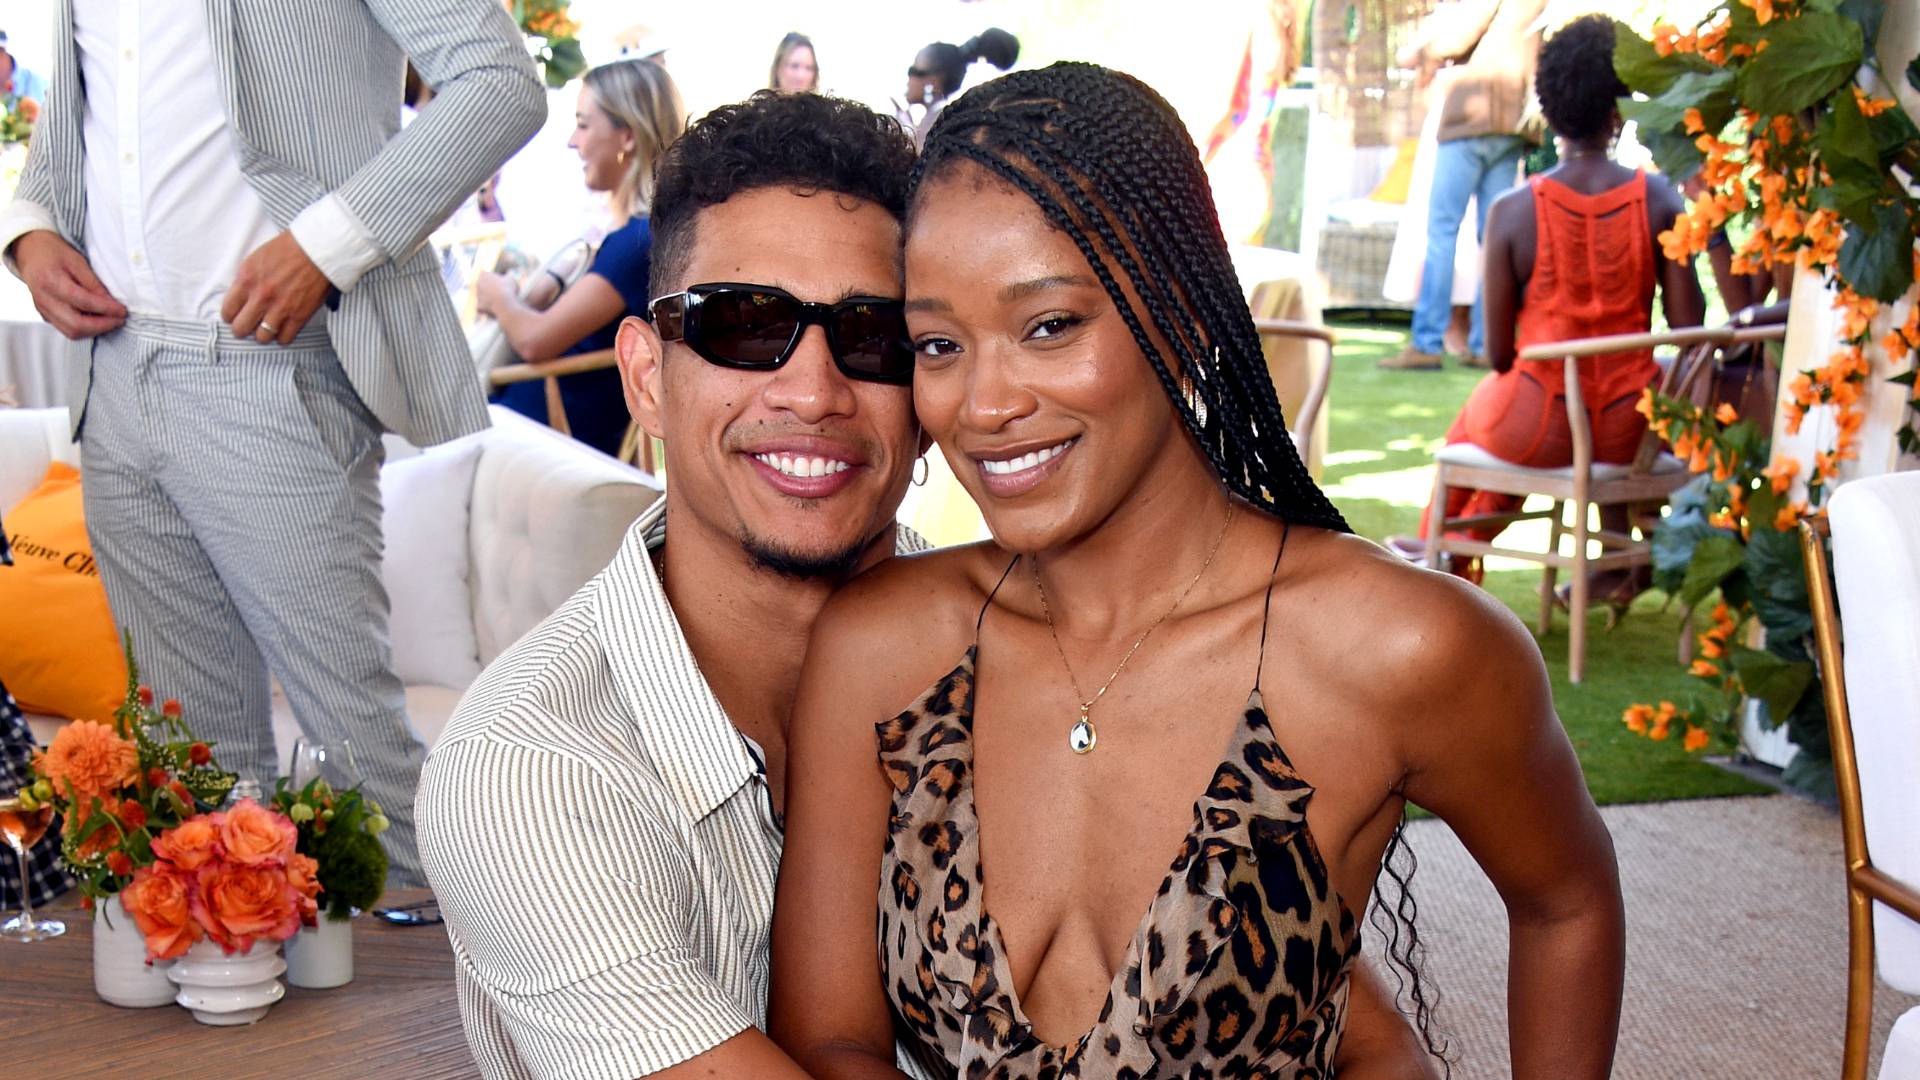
1385, 427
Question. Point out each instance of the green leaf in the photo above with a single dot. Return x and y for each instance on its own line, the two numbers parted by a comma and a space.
1676, 155
1806, 59
1679, 532
1713, 559
1775, 570
1844, 133
1913, 73
1878, 262
1774, 680
1893, 132
1645, 70
1710, 92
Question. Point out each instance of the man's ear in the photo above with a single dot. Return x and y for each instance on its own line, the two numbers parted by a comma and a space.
641, 352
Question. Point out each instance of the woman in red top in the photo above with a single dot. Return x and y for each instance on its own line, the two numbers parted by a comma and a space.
1573, 253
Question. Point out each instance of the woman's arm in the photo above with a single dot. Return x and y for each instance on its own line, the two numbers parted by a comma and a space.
1500, 281
1378, 1043
828, 1007
538, 335
1487, 754
1680, 296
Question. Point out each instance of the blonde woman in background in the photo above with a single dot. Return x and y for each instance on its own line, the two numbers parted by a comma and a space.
795, 69
629, 112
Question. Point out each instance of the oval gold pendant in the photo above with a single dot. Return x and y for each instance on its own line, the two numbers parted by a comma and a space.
1081, 737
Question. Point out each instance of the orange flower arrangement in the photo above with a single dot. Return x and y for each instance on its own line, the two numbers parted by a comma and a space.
123, 786
245, 883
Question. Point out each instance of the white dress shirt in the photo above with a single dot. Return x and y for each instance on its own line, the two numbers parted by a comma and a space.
170, 215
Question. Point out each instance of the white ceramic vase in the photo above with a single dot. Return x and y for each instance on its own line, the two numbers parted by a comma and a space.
226, 990
320, 957
121, 974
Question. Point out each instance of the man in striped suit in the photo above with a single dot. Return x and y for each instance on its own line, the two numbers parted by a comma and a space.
221, 212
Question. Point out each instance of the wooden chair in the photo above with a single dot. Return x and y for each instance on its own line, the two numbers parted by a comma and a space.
636, 448
1874, 725
1303, 418
1642, 486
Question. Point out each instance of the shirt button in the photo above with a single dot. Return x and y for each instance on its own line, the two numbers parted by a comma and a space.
138, 258
127, 157
126, 54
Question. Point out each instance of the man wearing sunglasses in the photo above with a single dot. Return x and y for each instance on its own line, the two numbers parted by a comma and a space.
600, 819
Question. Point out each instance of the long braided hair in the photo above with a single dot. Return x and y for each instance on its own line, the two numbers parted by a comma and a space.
1109, 163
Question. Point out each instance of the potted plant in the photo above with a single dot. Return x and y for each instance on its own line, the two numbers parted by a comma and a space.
118, 786
1780, 108
339, 830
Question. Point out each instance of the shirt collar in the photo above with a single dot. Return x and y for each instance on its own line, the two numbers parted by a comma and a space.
701, 756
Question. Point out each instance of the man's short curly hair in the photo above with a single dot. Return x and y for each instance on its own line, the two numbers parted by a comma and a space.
811, 142
1575, 78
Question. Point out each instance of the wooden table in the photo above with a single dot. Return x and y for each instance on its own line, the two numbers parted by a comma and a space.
397, 1018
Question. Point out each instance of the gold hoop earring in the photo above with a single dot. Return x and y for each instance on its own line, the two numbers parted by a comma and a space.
921, 471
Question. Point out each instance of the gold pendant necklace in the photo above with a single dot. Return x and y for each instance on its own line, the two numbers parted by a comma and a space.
1082, 736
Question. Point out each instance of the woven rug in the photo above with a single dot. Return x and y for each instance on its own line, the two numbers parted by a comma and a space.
1736, 943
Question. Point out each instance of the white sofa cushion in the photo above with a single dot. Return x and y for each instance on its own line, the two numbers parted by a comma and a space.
30, 440
428, 565
548, 513
1876, 564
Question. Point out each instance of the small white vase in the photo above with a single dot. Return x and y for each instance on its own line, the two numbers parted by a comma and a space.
225, 990
121, 974
320, 957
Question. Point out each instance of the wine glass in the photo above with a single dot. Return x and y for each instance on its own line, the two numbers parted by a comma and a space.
331, 761
23, 829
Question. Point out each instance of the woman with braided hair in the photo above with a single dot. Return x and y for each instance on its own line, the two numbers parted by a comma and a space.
1169, 608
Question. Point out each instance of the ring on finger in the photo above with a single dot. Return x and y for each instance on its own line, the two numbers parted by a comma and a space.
270, 331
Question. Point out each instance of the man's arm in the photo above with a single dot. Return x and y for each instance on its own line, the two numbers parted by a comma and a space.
487, 102
65, 291
568, 903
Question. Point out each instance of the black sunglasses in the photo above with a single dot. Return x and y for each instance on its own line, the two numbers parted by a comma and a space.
757, 327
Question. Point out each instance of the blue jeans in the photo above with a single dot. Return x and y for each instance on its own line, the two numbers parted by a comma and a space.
1481, 166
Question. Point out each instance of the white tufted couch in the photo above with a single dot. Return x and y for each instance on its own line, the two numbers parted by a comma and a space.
541, 514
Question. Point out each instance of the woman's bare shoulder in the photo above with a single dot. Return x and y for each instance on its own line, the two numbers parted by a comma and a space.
908, 619
1414, 642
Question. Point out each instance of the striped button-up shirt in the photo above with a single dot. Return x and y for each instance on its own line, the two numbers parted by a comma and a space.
602, 841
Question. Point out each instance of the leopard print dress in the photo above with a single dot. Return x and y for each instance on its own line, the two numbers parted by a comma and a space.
1238, 969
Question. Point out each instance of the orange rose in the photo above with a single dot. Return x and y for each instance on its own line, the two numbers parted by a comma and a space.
253, 835
191, 843
303, 877
87, 755
157, 900
237, 904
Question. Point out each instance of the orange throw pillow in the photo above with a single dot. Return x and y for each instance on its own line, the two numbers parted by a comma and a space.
59, 649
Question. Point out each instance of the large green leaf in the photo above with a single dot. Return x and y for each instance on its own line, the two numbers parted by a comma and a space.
1852, 157
1806, 59
1893, 132
1679, 532
1775, 570
1811, 770
1913, 73
1644, 70
1711, 92
1774, 680
1676, 155
1713, 559
1878, 262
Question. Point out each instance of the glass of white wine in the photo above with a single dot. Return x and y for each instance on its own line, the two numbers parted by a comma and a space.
23, 828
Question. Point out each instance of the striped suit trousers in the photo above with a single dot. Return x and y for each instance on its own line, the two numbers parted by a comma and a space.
232, 494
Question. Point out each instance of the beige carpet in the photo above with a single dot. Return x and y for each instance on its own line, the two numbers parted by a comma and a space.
1736, 943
